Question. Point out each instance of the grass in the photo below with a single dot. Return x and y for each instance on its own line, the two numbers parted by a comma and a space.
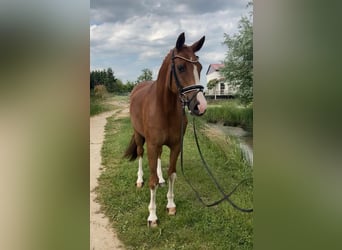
99, 105
230, 114
194, 226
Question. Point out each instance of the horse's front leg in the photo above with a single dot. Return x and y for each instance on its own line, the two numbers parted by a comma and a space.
159, 171
152, 220
171, 206
140, 140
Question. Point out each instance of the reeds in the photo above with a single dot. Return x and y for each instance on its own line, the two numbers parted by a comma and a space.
231, 114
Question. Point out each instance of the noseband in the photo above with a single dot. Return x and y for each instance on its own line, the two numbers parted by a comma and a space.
183, 90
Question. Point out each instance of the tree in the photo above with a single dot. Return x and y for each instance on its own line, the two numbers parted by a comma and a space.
212, 84
107, 79
238, 64
92, 80
110, 81
97, 78
145, 76
129, 86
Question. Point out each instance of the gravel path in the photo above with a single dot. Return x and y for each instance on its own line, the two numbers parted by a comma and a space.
102, 236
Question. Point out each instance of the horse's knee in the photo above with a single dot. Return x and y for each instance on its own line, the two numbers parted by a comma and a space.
171, 171
140, 150
160, 151
154, 181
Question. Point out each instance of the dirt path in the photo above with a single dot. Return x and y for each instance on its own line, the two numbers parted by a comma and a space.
102, 236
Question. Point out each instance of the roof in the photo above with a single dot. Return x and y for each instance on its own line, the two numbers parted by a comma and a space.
214, 67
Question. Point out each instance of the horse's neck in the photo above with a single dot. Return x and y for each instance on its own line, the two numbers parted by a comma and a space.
169, 101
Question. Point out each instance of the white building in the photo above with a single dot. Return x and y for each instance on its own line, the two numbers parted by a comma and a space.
222, 88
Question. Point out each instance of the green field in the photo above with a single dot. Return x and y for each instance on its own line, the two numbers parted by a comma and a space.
194, 226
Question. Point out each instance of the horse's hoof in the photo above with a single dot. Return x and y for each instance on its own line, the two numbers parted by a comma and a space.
162, 184
139, 184
152, 224
171, 211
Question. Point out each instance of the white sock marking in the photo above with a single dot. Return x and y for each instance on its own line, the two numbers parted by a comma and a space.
170, 194
160, 172
140, 171
152, 207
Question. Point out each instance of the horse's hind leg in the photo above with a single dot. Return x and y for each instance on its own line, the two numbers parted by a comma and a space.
159, 170
171, 206
139, 140
153, 153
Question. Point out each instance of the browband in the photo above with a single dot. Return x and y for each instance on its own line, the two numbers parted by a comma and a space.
186, 59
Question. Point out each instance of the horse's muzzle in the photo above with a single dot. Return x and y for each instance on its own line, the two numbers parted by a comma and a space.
198, 104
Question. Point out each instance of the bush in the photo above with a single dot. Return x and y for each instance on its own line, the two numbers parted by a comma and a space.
100, 91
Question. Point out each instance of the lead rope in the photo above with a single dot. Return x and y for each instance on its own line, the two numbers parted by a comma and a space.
225, 196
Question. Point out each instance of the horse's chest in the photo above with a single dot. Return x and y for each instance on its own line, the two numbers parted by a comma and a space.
166, 132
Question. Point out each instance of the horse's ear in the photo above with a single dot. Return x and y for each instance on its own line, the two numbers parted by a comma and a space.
180, 41
198, 45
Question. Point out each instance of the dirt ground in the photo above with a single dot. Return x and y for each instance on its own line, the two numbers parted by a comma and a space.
102, 236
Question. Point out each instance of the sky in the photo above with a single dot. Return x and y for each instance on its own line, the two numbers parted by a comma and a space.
130, 35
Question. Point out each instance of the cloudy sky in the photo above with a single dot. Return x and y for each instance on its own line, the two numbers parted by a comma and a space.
130, 35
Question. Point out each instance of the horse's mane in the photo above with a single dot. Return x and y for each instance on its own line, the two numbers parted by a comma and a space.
164, 65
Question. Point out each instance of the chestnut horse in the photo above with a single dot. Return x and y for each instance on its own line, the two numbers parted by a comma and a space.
157, 116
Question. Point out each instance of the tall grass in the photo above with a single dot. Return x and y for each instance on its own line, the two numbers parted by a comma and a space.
194, 226
230, 114
98, 104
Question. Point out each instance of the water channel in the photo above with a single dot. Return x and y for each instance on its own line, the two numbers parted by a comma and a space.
244, 138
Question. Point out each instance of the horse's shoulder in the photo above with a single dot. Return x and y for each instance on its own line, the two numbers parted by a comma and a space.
143, 85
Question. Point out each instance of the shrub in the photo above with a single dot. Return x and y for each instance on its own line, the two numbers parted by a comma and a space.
100, 91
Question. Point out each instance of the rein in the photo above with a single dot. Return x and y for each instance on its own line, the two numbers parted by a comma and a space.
185, 102
226, 197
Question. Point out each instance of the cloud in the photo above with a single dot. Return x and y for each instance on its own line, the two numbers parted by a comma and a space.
131, 35
107, 11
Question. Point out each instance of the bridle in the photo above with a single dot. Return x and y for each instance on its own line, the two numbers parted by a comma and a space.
185, 102
184, 90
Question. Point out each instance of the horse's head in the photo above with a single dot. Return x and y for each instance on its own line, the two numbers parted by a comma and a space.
185, 75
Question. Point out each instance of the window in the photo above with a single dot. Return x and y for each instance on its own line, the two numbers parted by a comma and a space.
222, 87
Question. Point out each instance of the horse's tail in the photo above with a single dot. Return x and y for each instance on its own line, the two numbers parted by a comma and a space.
131, 151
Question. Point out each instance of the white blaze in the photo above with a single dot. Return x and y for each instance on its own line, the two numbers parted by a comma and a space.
196, 76
202, 106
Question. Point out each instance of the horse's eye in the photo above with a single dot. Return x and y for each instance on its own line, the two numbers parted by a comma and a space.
181, 68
